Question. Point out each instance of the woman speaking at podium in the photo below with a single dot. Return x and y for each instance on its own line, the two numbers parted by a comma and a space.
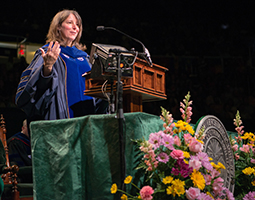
52, 86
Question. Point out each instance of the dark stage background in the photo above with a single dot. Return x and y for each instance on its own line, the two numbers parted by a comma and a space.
208, 47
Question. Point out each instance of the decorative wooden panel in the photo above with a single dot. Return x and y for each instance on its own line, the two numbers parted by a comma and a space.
147, 84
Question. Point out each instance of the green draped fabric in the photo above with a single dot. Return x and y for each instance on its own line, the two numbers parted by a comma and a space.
79, 158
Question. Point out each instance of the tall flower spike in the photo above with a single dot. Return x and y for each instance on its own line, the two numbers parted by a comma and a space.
238, 122
200, 135
186, 109
168, 119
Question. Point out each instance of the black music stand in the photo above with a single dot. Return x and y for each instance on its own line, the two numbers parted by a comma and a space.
110, 62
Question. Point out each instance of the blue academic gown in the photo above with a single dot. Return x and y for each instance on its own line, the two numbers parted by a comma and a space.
60, 94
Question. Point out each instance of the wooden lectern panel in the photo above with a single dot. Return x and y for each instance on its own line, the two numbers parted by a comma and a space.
147, 84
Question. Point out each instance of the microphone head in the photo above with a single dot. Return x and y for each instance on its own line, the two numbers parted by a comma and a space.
100, 28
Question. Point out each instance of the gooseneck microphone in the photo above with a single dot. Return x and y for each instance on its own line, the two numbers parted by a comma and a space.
147, 56
100, 28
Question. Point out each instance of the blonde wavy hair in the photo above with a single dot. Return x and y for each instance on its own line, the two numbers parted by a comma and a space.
55, 35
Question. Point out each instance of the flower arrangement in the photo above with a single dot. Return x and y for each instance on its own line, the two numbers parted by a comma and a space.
243, 148
175, 164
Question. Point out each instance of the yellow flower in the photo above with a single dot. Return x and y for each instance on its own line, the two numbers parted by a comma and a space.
178, 123
210, 159
200, 141
124, 197
198, 179
245, 136
184, 126
178, 187
186, 154
218, 167
253, 183
213, 164
186, 161
248, 136
181, 125
208, 193
251, 144
139, 197
170, 190
248, 171
114, 188
178, 182
167, 179
190, 129
175, 131
128, 179
221, 165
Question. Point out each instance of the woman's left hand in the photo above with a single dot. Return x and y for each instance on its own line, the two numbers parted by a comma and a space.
50, 57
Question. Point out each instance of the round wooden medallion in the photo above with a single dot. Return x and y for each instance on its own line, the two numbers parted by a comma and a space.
218, 147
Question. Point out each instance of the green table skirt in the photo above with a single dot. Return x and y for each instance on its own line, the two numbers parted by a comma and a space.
79, 158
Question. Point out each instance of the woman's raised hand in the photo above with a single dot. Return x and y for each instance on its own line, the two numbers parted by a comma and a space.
50, 57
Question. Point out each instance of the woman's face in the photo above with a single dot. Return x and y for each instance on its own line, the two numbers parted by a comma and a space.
69, 29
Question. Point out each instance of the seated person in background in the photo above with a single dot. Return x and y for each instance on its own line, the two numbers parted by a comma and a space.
20, 148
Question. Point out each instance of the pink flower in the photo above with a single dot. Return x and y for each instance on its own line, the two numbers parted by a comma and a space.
177, 141
177, 154
235, 147
182, 104
215, 173
249, 196
187, 138
239, 130
163, 157
217, 185
192, 193
146, 148
155, 139
164, 125
245, 148
204, 196
203, 157
208, 179
195, 164
148, 163
237, 156
195, 146
146, 193
168, 141
169, 129
238, 139
150, 159
229, 194
253, 161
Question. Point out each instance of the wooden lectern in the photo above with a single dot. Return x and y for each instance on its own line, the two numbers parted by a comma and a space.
147, 84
